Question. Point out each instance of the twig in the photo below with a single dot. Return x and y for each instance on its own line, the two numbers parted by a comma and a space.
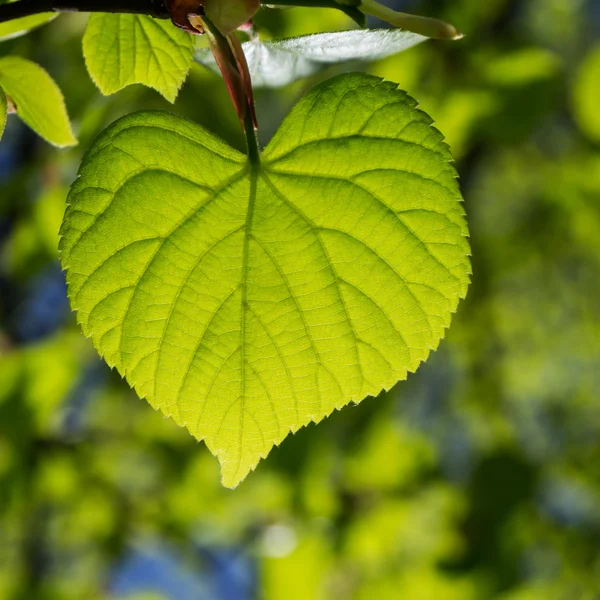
152, 8
26, 8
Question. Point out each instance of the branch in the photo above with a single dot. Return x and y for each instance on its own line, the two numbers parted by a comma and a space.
152, 8
26, 8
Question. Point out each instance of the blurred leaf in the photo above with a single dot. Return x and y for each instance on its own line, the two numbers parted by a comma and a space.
122, 49
3, 112
317, 486
34, 238
389, 457
586, 95
423, 583
37, 99
17, 27
367, 281
521, 67
43, 374
525, 87
295, 569
419, 529
275, 64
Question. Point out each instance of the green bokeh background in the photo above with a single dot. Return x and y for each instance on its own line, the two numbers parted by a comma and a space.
478, 478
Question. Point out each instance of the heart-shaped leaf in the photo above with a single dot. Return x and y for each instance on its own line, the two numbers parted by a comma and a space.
275, 64
246, 301
122, 49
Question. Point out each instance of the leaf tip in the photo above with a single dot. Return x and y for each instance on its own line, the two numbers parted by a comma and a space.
71, 142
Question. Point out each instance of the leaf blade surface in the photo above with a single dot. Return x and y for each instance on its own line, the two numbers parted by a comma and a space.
277, 63
19, 27
124, 49
246, 302
37, 99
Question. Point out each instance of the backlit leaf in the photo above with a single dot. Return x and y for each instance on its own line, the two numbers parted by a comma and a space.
275, 64
247, 301
122, 49
18, 27
36, 99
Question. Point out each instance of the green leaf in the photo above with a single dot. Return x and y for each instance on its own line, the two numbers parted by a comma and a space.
275, 64
246, 302
18, 27
121, 50
37, 99
586, 92
3, 112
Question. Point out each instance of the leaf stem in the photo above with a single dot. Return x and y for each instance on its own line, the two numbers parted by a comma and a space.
230, 57
251, 140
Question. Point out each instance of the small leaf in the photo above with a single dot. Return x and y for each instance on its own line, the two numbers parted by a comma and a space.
122, 49
18, 27
3, 112
275, 64
246, 302
36, 99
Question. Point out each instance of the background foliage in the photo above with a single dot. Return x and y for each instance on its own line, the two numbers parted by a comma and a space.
477, 478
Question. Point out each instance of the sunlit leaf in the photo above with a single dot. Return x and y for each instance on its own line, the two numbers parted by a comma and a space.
122, 49
275, 64
36, 99
17, 27
246, 302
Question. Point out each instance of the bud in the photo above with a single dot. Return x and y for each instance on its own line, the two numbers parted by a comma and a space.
432, 28
228, 15
182, 10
